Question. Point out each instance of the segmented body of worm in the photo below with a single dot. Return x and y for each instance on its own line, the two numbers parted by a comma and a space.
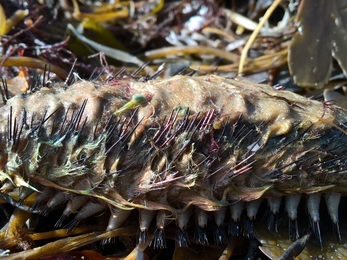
204, 150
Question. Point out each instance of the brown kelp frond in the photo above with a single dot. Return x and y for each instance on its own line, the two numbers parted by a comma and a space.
7, 24
71, 243
326, 40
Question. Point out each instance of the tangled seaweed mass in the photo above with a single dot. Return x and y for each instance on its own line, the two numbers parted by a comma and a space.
167, 150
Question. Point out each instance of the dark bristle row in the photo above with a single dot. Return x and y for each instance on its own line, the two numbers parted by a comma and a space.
4, 90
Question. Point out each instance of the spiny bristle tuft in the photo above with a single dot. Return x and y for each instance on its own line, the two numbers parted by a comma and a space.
69, 227
182, 239
60, 221
220, 238
4, 90
158, 240
142, 237
200, 235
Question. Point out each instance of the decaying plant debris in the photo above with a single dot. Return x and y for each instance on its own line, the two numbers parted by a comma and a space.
201, 35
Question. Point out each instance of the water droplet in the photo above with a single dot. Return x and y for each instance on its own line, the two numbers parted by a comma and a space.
300, 30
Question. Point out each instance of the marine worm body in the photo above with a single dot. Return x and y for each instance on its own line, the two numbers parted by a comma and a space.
175, 147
